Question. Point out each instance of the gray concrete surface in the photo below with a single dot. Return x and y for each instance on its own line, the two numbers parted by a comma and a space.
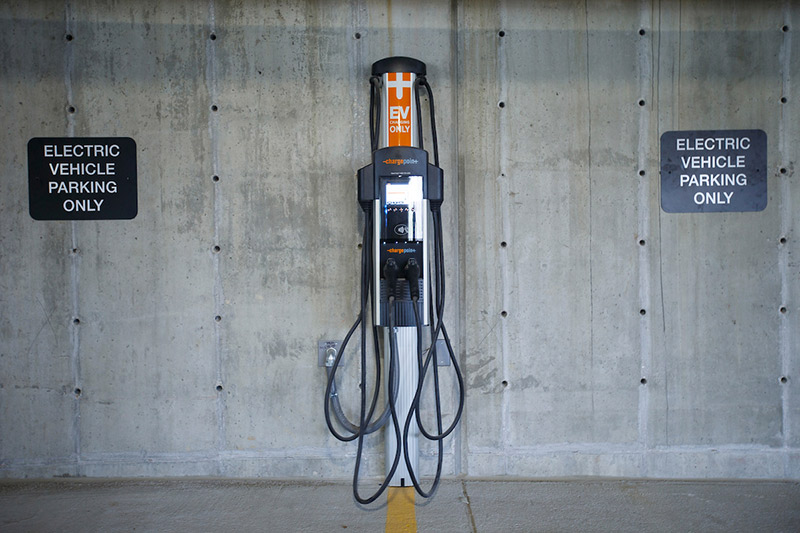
459, 506
599, 335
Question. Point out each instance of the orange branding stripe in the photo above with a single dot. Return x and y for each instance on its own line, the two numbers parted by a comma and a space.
399, 109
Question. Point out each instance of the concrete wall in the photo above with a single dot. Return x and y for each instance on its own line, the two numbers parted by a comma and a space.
599, 335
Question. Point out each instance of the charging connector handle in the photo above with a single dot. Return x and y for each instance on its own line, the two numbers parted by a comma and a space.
390, 271
412, 275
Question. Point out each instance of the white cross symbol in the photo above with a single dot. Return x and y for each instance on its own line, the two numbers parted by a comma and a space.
399, 84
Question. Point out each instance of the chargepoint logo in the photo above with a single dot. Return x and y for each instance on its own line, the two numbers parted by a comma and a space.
401, 250
400, 161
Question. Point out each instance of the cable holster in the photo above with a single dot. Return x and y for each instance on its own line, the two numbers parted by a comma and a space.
366, 187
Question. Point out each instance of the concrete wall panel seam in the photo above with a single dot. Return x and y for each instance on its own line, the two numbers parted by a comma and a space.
456, 275
784, 246
645, 76
502, 192
69, 62
217, 290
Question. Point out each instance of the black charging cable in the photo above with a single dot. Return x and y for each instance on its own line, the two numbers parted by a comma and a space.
440, 328
413, 276
390, 272
365, 416
331, 395
361, 320
374, 110
423, 82
438, 286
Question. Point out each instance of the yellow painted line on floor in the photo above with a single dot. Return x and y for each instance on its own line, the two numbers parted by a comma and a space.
401, 514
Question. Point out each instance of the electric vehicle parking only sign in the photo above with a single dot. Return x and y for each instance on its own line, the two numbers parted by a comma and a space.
713, 171
82, 178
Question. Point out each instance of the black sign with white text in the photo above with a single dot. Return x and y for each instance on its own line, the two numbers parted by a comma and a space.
82, 178
713, 171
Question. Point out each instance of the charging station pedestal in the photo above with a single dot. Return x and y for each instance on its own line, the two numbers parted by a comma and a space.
401, 194
401, 216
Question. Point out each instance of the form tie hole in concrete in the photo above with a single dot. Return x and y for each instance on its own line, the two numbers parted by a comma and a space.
77, 392
213, 36
217, 318
501, 104
784, 99
71, 109
68, 37
642, 312
505, 383
74, 251
784, 379
214, 108
215, 178
643, 381
783, 170
783, 240
216, 249
642, 242
76, 321
503, 244
642, 172
642, 31
357, 35
641, 103
360, 246
785, 29
782, 310
219, 388
503, 314
501, 33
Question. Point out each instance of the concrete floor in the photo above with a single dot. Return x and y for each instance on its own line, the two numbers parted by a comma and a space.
167, 505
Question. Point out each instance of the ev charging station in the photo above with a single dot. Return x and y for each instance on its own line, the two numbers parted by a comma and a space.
402, 281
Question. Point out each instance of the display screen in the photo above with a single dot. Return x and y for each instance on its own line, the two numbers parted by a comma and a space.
402, 208
397, 193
